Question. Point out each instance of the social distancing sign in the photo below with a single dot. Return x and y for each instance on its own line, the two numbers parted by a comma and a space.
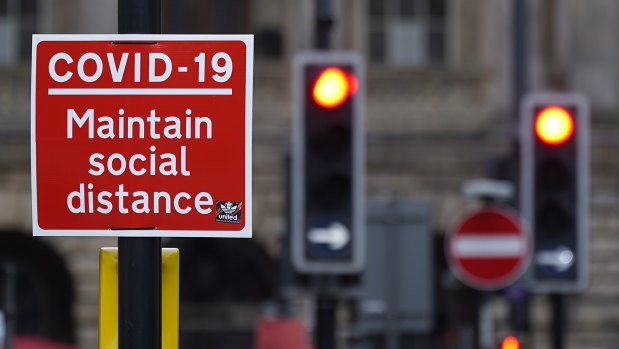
142, 135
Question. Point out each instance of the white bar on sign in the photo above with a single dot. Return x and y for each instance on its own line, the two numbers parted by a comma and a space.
138, 91
484, 246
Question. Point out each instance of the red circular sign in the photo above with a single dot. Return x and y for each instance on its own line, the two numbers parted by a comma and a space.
489, 248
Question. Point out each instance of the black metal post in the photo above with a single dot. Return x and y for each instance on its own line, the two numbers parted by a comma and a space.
139, 258
139, 16
325, 321
392, 332
139, 293
558, 320
324, 22
520, 57
10, 304
325, 300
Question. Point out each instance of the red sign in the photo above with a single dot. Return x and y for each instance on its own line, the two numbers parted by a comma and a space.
489, 248
142, 135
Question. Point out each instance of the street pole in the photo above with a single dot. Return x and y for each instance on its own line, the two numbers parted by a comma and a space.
325, 321
324, 22
520, 58
10, 304
325, 300
392, 333
558, 320
139, 258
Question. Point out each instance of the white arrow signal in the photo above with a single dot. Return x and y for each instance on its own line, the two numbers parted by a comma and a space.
561, 259
335, 235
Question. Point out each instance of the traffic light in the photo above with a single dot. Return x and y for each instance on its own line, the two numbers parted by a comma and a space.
555, 188
510, 342
327, 163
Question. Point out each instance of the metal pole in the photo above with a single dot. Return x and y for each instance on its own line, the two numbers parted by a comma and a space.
139, 16
325, 300
520, 57
10, 306
139, 258
485, 329
324, 22
392, 333
325, 321
139, 293
558, 322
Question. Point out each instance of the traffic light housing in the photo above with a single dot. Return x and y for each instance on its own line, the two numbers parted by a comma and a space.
554, 194
328, 164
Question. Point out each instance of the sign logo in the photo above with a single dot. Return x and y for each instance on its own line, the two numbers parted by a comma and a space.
127, 129
229, 212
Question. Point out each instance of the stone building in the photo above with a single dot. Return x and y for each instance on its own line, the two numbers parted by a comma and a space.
439, 105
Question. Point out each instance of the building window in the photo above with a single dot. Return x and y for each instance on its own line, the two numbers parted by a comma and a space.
18, 21
407, 32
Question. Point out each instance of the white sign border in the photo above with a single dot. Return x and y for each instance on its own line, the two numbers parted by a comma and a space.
245, 232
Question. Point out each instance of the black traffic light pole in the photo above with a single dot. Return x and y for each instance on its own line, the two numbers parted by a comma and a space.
139, 258
325, 300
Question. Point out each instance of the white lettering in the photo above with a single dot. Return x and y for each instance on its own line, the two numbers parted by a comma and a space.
52, 67
199, 202
80, 67
152, 61
177, 207
88, 116
98, 165
132, 164
104, 202
117, 72
110, 164
80, 197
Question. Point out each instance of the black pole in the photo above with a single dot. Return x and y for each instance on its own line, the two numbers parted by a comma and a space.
139, 258
325, 321
324, 22
559, 317
325, 301
520, 57
139, 16
10, 304
139, 293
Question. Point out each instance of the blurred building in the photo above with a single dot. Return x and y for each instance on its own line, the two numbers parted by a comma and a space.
439, 108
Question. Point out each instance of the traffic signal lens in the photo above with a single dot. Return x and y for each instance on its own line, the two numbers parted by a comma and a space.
554, 125
332, 88
510, 342
553, 220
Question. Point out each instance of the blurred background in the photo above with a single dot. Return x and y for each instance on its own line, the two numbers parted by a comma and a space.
443, 81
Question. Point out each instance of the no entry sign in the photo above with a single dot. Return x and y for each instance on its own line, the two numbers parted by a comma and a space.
142, 135
488, 249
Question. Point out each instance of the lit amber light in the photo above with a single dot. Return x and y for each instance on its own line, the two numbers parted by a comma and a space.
554, 125
510, 342
332, 88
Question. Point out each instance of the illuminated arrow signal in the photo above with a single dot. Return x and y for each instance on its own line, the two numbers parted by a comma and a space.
336, 235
